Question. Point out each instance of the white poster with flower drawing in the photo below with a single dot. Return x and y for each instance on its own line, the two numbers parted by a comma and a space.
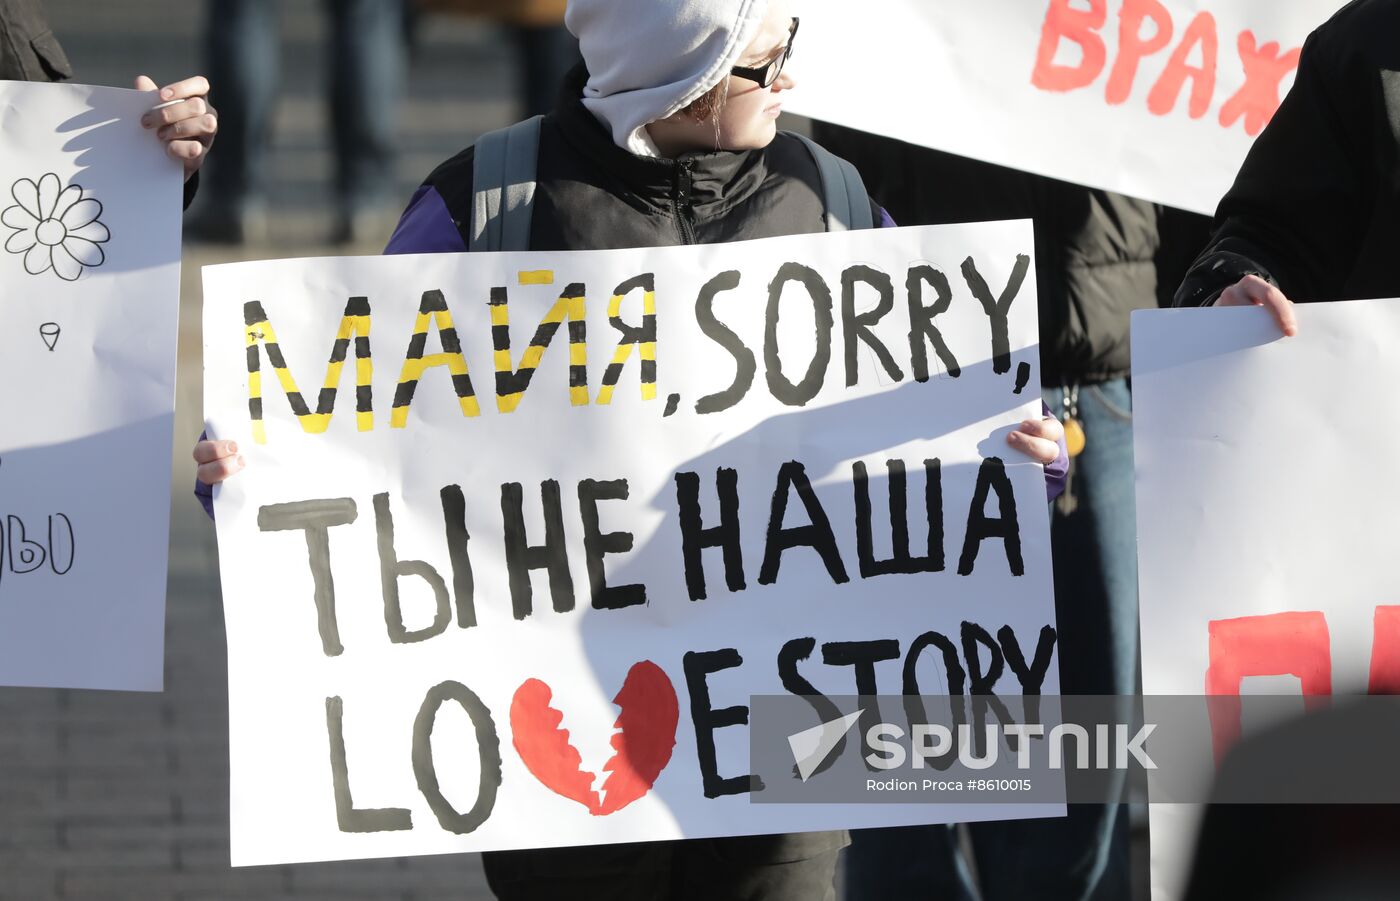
89, 299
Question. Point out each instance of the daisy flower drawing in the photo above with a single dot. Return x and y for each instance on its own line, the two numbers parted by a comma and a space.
54, 227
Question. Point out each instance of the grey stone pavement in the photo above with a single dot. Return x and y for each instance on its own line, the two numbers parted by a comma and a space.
110, 795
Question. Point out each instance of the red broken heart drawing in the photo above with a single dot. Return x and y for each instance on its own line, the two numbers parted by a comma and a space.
643, 747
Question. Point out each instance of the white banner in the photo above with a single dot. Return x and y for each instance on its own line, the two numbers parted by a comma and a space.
1265, 525
89, 299
1158, 99
488, 590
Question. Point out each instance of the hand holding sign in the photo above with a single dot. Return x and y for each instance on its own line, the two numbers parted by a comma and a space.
1038, 439
217, 460
184, 120
1254, 291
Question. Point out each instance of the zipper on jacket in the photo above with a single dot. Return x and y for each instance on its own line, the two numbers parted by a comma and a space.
681, 201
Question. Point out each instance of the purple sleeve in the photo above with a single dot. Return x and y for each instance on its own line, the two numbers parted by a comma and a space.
204, 492
1056, 472
426, 226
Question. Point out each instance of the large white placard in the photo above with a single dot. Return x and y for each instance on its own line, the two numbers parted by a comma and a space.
1266, 563
89, 299
1158, 99
612, 533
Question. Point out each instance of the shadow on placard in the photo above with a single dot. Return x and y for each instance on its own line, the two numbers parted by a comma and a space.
74, 541
104, 173
822, 439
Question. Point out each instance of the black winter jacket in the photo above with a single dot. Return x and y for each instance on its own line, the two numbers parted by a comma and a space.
1098, 255
1315, 208
593, 195
28, 49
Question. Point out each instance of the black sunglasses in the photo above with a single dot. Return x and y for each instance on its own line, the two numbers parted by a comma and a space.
768, 73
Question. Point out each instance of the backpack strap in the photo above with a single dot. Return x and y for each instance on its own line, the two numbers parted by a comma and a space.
503, 187
847, 201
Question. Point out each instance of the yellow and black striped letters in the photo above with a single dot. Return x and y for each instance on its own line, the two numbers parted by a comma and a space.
355, 323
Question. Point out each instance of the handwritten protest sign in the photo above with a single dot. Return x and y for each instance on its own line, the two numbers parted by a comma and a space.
506, 572
1159, 99
1264, 569
89, 295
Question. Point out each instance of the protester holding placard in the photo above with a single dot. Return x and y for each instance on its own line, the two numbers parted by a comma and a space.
1099, 256
1314, 213
669, 137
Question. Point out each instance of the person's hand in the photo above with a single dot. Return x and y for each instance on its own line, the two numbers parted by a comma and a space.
1254, 291
1038, 439
183, 120
217, 460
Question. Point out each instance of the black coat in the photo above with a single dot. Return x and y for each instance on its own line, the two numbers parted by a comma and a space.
1315, 208
28, 49
1098, 255
593, 195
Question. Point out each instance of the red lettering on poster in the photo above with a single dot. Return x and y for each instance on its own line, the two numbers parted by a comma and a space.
1258, 99
1201, 32
1062, 22
1133, 48
1278, 644
1385, 653
1145, 29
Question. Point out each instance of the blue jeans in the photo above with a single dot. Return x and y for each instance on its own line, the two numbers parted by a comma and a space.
1084, 855
365, 81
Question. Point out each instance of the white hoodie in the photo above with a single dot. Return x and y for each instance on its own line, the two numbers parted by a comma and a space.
649, 59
